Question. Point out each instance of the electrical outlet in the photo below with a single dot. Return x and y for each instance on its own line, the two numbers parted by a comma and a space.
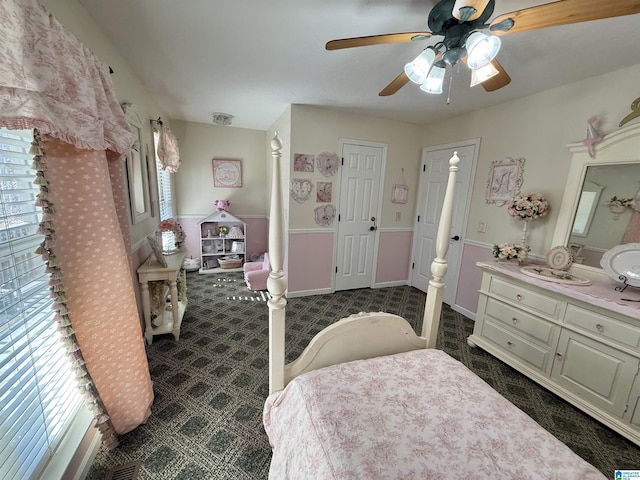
482, 227
398, 216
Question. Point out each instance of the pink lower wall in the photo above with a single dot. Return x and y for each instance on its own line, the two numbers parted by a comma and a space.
471, 276
310, 261
394, 256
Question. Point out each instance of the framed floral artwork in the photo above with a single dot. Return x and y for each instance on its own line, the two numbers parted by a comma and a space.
505, 180
303, 162
227, 173
300, 189
323, 194
328, 163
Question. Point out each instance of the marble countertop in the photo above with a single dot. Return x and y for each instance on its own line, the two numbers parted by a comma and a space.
601, 292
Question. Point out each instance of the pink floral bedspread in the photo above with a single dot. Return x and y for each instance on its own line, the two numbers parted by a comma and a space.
415, 415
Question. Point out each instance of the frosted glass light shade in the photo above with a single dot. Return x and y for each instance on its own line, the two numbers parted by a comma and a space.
481, 49
418, 68
483, 73
434, 81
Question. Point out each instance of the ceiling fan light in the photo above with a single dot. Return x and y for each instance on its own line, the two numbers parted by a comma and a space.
418, 68
481, 74
481, 49
434, 81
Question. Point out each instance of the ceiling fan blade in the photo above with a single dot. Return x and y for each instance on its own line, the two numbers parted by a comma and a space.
502, 79
376, 40
564, 12
395, 85
478, 5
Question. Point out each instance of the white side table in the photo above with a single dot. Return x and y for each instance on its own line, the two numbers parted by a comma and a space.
168, 321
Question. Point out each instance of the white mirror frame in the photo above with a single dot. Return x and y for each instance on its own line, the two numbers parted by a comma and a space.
137, 168
619, 147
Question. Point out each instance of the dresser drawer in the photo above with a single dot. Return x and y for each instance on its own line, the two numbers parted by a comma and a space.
525, 297
524, 323
514, 345
606, 327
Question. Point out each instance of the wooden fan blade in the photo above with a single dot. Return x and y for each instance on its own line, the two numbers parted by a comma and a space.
375, 40
395, 85
565, 12
502, 79
479, 5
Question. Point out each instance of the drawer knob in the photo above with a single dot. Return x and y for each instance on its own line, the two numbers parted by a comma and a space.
510, 344
599, 327
519, 297
514, 320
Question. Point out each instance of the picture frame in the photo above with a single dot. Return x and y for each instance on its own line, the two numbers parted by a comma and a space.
227, 172
559, 258
505, 180
324, 192
157, 251
400, 194
303, 162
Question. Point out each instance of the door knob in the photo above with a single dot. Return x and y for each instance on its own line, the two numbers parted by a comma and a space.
373, 227
456, 238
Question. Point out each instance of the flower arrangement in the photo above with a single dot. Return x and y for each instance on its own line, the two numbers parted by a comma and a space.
527, 206
507, 251
172, 225
620, 202
222, 205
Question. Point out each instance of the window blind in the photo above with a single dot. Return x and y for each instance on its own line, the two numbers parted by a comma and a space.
38, 390
165, 198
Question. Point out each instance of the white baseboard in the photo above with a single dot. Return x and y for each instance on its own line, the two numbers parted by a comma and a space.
464, 311
397, 283
306, 293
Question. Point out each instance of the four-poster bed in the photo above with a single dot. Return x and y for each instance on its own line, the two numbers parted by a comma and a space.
369, 398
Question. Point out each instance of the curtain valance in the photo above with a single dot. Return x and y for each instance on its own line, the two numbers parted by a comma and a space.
50, 81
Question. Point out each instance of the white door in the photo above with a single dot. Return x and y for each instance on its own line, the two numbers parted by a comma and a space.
433, 183
358, 211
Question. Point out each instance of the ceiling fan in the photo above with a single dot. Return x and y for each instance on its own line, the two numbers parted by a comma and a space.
461, 22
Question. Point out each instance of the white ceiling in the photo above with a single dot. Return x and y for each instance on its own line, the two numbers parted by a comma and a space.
252, 58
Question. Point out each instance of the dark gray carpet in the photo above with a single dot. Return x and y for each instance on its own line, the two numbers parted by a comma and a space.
210, 386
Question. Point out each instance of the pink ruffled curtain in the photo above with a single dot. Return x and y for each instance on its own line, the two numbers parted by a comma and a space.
51, 82
168, 153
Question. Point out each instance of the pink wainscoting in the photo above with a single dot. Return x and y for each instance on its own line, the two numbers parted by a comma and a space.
471, 276
257, 235
310, 261
394, 256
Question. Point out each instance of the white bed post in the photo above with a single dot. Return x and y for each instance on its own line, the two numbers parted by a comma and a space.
435, 292
276, 282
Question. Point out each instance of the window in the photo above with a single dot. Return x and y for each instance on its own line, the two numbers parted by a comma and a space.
38, 390
165, 198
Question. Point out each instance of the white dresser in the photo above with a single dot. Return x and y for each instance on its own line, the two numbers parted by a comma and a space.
580, 342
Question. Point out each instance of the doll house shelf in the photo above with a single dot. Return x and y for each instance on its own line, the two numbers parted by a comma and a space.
222, 243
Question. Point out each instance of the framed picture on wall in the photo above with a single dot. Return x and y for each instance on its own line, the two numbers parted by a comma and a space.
505, 180
227, 173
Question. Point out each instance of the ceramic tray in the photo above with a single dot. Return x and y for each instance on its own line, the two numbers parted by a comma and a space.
622, 263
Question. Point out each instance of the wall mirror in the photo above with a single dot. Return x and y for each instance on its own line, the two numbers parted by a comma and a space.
137, 168
586, 224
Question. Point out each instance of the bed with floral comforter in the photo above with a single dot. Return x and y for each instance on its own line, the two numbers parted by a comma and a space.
415, 415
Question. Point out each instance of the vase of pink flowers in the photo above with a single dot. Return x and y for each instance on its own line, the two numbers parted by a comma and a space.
171, 234
527, 207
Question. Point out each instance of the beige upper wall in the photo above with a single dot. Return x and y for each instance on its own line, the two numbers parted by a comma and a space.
127, 86
536, 128
316, 130
199, 143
